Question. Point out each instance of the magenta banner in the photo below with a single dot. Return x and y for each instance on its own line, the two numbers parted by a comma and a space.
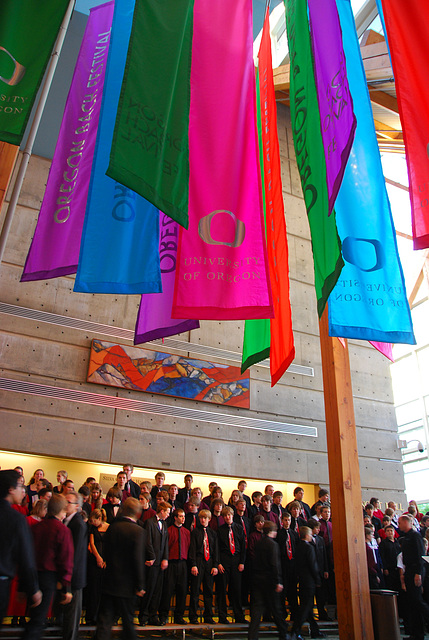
222, 270
55, 247
154, 317
338, 121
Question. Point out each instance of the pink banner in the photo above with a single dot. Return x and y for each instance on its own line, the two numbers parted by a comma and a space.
385, 348
55, 247
154, 317
222, 270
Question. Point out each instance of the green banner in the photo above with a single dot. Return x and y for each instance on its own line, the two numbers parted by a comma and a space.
257, 333
310, 155
28, 30
149, 152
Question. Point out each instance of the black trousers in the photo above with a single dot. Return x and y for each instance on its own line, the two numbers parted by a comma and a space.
418, 609
48, 587
230, 581
110, 608
152, 598
206, 579
263, 598
305, 611
290, 592
4, 596
175, 582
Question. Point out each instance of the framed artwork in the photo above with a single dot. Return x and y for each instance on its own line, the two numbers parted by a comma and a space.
126, 367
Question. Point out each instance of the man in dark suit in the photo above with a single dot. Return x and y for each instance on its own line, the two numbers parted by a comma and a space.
16, 549
131, 486
323, 499
72, 611
185, 492
308, 578
204, 561
267, 583
244, 522
232, 554
322, 590
412, 551
124, 577
288, 541
157, 535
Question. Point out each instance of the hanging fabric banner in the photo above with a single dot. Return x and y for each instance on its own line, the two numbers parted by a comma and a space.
28, 31
307, 137
369, 301
54, 250
150, 145
222, 270
257, 333
154, 317
407, 26
282, 350
119, 249
335, 102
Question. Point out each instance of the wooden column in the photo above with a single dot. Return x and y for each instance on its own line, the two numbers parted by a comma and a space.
8, 154
351, 572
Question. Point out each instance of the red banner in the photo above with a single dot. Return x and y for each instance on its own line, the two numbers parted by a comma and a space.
407, 25
282, 350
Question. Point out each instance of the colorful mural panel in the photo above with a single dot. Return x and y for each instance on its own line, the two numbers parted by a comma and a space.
167, 374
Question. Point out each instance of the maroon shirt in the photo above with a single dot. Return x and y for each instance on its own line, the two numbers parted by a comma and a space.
53, 548
173, 542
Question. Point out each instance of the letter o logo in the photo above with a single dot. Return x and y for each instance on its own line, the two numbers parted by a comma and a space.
18, 72
204, 230
365, 254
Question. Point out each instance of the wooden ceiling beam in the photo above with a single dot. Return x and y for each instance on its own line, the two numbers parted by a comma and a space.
383, 99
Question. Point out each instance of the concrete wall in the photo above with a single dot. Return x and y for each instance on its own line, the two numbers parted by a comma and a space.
51, 349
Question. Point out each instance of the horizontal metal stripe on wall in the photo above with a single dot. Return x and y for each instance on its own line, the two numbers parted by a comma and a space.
175, 411
127, 334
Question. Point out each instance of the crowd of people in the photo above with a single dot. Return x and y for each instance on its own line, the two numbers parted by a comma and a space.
142, 549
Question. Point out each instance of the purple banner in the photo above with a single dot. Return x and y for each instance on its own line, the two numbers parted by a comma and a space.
55, 247
338, 121
154, 318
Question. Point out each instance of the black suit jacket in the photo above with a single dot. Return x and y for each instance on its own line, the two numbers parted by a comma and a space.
157, 539
266, 569
16, 548
79, 532
281, 539
246, 521
108, 508
134, 489
321, 556
182, 495
223, 540
125, 554
306, 565
196, 548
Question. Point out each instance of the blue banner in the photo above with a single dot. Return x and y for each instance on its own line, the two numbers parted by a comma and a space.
369, 301
119, 248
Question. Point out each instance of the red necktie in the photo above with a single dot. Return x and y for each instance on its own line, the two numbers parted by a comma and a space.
244, 529
231, 541
289, 548
206, 546
303, 514
193, 525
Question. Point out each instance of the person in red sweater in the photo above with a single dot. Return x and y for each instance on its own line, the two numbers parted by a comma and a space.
53, 548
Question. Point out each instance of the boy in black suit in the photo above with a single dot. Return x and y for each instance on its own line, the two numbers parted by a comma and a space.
185, 492
72, 611
204, 561
308, 577
288, 541
157, 535
176, 575
124, 577
232, 554
322, 563
267, 584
